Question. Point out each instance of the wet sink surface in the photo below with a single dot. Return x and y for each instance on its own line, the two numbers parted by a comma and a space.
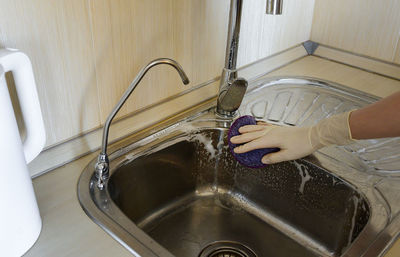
192, 193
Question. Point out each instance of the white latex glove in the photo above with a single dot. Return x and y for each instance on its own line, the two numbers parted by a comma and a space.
294, 142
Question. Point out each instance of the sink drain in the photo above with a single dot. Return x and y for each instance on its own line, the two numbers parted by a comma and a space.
227, 249
227, 253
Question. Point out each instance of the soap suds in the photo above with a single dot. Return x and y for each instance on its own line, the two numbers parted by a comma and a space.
207, 142
305, 176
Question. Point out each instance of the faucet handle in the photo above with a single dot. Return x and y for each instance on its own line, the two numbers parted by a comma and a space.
231, 97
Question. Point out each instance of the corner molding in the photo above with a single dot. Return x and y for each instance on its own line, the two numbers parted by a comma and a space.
310, 47
362, 62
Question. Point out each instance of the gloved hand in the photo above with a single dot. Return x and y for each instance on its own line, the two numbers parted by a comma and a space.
294, 142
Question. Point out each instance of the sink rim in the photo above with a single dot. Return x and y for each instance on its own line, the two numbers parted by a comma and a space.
113, 221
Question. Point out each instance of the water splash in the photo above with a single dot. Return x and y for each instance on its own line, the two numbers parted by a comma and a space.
207, 142
220, 147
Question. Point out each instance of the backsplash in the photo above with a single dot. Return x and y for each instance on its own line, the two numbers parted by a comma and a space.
366, 27
263, 35
85, 53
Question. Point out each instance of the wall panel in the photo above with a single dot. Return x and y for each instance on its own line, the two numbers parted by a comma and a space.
397, 55
263, 35
129, 34
366, 27
56, 36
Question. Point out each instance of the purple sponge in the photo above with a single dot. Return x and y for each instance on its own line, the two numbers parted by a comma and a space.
253, 158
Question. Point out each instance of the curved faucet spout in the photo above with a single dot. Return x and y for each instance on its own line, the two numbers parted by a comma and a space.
227, 107
102, 169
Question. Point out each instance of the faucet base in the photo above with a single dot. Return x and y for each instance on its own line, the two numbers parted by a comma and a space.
220, 113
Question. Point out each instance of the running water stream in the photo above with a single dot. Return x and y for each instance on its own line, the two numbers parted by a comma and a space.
213, 153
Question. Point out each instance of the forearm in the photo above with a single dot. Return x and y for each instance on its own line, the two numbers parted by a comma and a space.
378, 120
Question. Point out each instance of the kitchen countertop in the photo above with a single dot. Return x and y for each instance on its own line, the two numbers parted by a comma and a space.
68, 231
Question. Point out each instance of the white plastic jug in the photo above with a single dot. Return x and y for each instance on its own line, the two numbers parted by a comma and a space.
20, 222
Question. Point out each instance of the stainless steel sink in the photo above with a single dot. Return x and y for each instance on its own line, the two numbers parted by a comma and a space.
175, 189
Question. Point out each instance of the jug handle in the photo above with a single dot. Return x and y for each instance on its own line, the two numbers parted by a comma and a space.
20, 66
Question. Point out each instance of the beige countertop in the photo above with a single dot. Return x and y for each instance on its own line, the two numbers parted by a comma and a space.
67, 231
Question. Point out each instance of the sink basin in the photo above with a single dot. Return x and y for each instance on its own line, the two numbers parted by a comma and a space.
191, 193
175, 189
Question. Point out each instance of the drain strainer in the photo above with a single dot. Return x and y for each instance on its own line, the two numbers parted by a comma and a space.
227, 249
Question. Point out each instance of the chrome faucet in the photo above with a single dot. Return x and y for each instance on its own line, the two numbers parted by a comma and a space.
102, 165
232, 88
